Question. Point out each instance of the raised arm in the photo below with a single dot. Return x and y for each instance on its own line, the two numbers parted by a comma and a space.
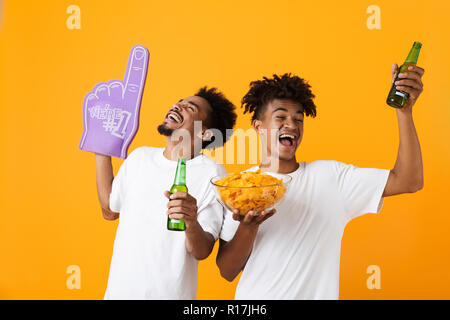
105, 177
407, 174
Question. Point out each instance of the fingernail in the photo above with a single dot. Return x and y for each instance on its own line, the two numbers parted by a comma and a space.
410, 68
139, 53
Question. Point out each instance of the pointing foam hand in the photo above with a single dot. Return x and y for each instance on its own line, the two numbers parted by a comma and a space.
111, 110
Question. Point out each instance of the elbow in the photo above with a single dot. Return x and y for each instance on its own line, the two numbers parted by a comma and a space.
227, 276
415, 187
418, 187
110, 215
199, 252
199, 256
225, 273
408, 182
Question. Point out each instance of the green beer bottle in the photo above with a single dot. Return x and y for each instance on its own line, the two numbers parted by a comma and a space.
397, 98
179, 185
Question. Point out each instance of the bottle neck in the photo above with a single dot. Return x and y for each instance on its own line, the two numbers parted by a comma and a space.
180, 175
414, 53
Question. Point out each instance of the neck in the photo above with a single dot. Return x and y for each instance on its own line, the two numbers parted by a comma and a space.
178, 149
284, 166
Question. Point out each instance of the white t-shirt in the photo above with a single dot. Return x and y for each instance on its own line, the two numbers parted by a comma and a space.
149, 261
296, 252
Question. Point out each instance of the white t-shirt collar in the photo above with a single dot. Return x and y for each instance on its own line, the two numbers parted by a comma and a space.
162, 160
293, 174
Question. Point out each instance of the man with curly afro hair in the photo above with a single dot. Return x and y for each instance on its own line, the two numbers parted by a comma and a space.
295, 254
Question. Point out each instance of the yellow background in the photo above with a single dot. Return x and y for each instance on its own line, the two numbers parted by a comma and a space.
49, 213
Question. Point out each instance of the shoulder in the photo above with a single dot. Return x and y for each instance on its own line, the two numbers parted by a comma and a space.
212, 167
325, 165
143, 152
141, 155
328, 168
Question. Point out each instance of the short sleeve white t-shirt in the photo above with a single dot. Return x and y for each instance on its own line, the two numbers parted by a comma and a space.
296, 253
149, 261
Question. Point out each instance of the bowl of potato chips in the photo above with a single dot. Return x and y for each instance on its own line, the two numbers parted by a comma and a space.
246, 191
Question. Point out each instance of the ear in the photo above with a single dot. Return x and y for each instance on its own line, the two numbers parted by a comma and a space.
207, 135
256, 124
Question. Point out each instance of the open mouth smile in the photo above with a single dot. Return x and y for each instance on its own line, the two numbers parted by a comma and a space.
174, 116
288, 140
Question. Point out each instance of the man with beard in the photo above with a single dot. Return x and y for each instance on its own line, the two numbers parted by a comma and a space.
149, 261
295, 253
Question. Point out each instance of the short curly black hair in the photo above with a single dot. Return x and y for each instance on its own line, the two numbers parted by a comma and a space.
223, 115
287, 86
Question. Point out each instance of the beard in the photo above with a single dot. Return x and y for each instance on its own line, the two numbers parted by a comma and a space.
163, 130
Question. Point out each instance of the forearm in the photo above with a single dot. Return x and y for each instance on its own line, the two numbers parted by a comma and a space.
105, 177
198, 242
408, 167
234, 254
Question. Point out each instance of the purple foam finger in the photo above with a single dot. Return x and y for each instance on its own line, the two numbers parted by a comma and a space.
135, 74
134, 82
111, 110
115, 89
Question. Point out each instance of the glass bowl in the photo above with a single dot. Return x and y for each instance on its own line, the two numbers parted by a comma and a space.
256, 198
